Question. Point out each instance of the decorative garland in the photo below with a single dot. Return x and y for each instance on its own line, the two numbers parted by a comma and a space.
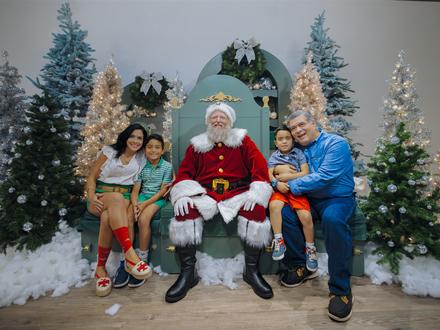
152, 99
244, 61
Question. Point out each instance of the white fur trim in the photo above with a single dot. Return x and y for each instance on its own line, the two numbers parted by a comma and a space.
260, 192
203, 144
256, 234
186, 188
186, 232
206, 205
223, 107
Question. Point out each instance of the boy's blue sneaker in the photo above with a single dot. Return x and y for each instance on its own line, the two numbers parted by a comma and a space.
279, 248
134, 282
121, 277
311, 259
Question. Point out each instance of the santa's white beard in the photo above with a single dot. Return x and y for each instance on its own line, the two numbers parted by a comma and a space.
218, 134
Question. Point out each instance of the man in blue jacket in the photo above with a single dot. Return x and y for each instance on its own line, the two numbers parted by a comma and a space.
329, 188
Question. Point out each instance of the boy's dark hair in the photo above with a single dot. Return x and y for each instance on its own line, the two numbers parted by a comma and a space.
281, 128
121, 142
157, 137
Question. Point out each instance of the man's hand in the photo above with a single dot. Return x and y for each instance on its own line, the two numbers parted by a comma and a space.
283, 187
181, 207
284, 172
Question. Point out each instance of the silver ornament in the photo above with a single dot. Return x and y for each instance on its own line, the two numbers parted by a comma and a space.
26, 129
56, 162
383, 209
409, 248
391, 160
429, 207
392, 188
378, 232
402, 210
41, 177
376, 189
422, 249
21, 199
43, 202
394, 140
44, 109
53, 129
390, 244
29, 142
17, 155
407, 153
62, 212
411, 182
27, 226
11, 190
431, 224
66, 136
420, 161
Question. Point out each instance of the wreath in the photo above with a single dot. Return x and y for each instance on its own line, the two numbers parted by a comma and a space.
244, 61
150, 100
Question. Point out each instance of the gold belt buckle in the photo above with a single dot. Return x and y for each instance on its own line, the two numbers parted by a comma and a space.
220, 185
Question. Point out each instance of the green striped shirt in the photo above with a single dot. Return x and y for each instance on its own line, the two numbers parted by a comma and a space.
152, 177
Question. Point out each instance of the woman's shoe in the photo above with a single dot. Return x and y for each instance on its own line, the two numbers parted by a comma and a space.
103, 286
140, 271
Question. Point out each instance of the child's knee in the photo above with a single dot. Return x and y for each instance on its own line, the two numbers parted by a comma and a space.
276, 206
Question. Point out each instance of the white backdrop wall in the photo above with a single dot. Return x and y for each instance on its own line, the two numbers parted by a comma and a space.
173, 35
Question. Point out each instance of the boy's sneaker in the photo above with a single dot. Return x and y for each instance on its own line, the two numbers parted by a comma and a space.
311, 259
296, 276
134, 282
279, 248
339, 307
121, 277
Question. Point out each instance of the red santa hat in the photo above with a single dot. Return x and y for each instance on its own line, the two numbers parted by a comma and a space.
223, 107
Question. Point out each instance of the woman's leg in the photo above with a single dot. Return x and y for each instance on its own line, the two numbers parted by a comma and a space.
104, 244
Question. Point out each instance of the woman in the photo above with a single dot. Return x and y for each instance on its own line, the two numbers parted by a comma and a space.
108, 189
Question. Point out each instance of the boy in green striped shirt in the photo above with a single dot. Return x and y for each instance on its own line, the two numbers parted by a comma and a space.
149, 190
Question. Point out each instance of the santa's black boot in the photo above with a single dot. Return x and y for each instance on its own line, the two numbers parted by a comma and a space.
251, 274
188, 277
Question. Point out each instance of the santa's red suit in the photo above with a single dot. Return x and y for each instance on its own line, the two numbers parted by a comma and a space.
237, 160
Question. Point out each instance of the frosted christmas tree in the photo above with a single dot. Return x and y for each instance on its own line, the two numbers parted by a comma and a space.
401, 209
307, 93
104, 121
12, 110
336, 89
40, 189
68, 76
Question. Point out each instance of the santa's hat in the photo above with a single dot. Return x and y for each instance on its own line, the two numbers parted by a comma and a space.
223, 107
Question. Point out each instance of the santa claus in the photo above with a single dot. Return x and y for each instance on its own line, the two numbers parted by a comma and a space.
222, 172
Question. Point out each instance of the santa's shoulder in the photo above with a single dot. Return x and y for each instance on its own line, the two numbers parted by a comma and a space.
201, 143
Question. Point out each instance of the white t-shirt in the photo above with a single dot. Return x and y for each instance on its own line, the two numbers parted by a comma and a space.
115, 172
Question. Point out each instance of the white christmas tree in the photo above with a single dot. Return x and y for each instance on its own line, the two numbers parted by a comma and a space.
307, 93
105, 119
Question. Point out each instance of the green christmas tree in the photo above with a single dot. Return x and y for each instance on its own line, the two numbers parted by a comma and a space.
40, 189
401, 215
68, 75
12, 108
335, 88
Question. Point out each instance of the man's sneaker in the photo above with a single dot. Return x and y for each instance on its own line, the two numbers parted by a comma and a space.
134, 282
279, 248
311, 259
296, 276
121, 277
339, 307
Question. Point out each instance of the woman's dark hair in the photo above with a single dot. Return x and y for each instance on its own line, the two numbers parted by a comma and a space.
121, 142
281, 128
156, 137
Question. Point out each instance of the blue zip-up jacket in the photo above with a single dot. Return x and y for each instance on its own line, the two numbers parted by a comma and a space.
331, 169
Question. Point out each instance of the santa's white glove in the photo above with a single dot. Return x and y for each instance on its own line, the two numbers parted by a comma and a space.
181, 207
249, 205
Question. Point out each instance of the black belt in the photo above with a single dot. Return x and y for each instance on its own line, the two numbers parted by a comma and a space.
220, 186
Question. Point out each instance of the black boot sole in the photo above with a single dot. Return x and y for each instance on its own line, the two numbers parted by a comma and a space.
177, 298
259, 294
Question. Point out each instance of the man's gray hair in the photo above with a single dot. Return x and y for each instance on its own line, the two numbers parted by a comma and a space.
298, 113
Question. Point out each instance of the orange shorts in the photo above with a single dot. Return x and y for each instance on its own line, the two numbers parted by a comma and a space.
295, 202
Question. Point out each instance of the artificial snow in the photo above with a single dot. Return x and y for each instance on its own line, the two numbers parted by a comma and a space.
113, 309
419, 276
54, 267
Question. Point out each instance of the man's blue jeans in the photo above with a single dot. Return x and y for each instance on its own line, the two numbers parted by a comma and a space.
334, 214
